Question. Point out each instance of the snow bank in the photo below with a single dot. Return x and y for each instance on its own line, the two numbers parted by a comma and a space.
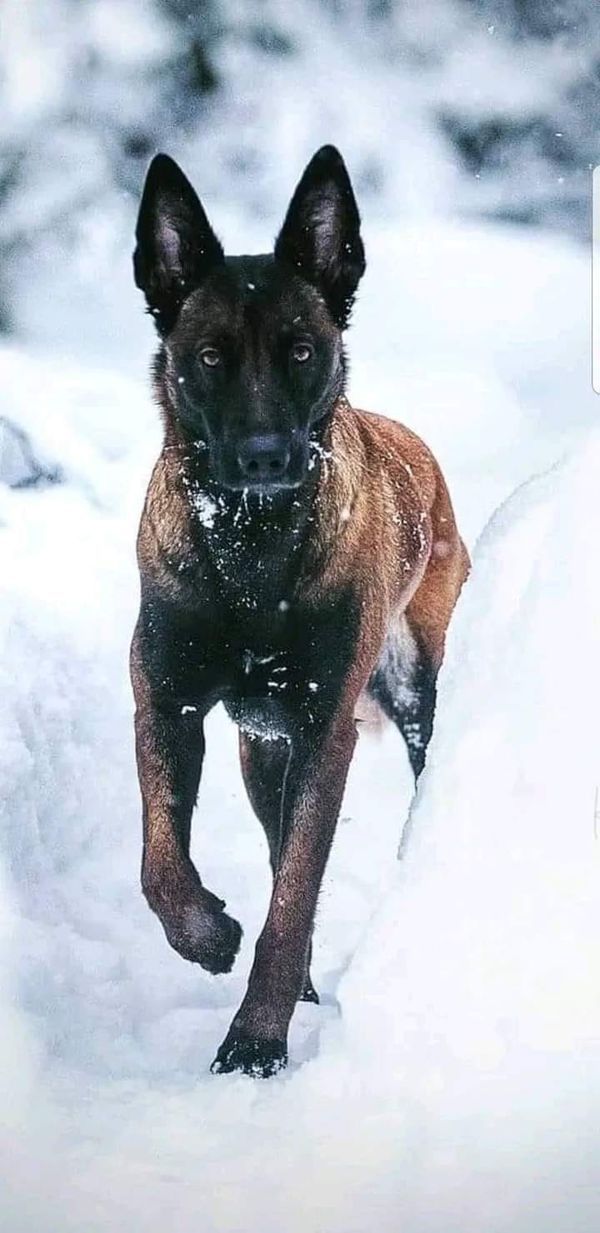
483, 970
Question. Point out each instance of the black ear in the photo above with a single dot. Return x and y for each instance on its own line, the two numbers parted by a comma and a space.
321, 233
176, 246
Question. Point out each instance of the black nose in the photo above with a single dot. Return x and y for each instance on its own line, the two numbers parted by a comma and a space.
264, 458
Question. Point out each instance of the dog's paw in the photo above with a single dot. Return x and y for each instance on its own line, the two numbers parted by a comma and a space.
206, 936
250, 1056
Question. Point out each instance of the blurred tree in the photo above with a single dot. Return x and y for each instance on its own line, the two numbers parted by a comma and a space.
504, 92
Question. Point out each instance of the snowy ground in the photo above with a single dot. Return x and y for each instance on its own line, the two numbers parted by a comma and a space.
450, 1081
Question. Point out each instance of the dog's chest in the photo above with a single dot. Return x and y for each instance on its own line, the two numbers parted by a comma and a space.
268, 689
260, 690
252, 552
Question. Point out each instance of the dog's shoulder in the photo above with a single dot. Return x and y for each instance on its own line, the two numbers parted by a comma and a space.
382, 501
166, 545
404, 458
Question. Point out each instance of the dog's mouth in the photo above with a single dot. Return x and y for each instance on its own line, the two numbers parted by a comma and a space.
262, 488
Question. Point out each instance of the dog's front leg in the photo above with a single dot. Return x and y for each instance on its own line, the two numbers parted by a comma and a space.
257, 1039
170, 749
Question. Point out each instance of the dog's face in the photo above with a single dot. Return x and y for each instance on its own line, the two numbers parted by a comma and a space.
253, 344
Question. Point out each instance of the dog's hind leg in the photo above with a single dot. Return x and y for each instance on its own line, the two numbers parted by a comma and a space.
264, 765
404, 680
403, 684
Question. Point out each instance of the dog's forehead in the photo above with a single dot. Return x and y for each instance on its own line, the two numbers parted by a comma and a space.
252, 275
255, 289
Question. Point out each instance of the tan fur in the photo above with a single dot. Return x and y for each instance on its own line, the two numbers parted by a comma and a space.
384, 518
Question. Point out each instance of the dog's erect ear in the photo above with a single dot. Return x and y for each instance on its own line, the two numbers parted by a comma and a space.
176, 246
321, 233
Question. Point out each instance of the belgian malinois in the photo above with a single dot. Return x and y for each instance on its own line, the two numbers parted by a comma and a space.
296, 555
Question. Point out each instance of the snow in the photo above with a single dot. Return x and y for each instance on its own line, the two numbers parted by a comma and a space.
450, 1080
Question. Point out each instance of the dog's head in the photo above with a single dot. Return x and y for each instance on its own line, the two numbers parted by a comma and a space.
253, 344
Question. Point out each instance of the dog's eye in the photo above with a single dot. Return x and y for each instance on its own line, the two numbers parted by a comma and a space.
301, 352
210, 357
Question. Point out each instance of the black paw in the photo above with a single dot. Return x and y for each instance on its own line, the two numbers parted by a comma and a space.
210, 938
260, 1058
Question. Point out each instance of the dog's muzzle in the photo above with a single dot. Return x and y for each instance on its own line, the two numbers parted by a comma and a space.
266, 462
264, 459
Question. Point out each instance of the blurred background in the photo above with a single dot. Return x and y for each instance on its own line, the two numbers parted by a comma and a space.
482, 109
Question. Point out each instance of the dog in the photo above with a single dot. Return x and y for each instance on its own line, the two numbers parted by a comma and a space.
296, 557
